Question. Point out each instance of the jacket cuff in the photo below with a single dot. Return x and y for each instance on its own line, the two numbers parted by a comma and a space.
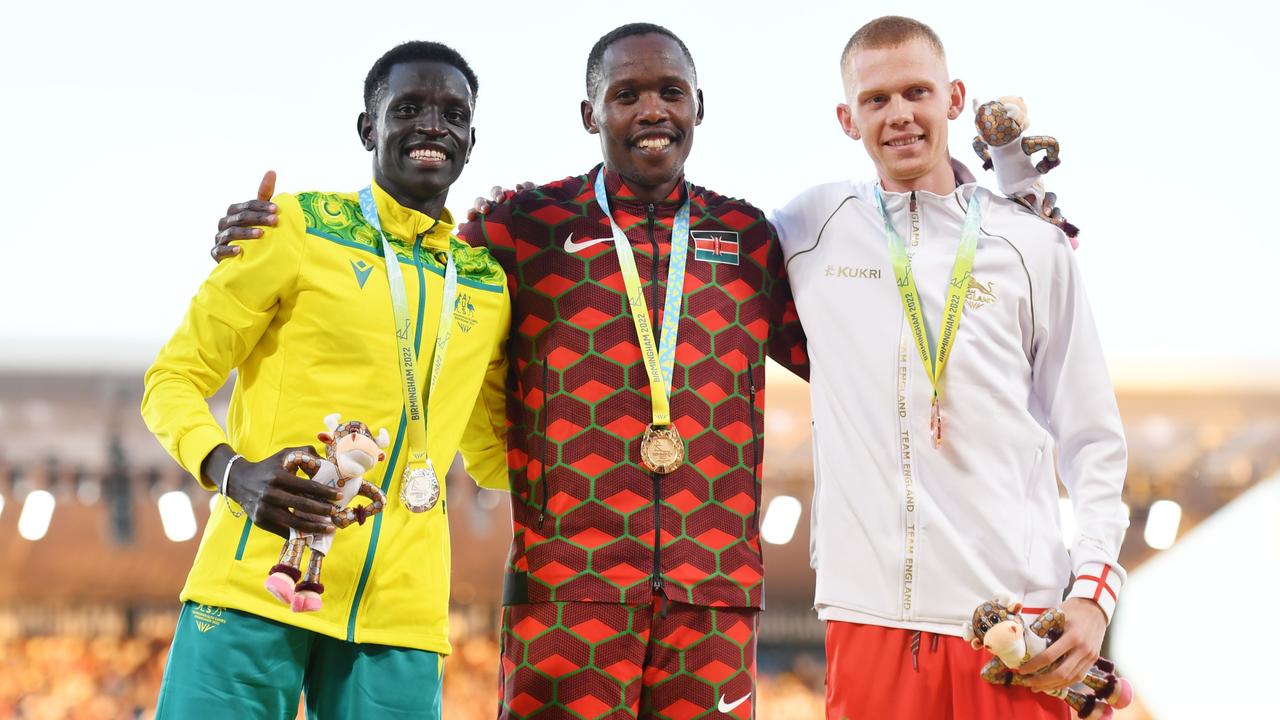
1100, 583
195, 446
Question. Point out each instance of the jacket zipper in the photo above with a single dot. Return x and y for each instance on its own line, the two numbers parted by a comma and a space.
755, 448
915, 221
546, 405
395, 450
657, 489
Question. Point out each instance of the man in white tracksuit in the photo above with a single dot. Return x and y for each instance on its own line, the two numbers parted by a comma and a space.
910, 535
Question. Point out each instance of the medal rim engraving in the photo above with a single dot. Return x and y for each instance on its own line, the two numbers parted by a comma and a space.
655, 434
413, 476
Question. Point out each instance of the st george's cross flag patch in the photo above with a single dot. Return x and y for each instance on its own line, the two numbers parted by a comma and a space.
715, 246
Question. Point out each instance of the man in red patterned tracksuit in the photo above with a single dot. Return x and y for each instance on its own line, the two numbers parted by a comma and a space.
631, 593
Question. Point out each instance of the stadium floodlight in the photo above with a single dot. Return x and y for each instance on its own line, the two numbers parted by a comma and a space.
780, 520
1162, 524
1067, 520
37, 511
177, 516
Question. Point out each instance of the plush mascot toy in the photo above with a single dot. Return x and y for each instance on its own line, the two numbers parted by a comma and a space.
1001, 122
351, 451
998, 626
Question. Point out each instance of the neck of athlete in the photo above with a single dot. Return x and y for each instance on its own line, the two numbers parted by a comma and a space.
939, 180
652, 193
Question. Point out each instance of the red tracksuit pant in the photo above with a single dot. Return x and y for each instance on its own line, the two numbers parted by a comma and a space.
875, 673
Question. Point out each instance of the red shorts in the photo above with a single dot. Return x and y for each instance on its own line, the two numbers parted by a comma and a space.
874, 672
614, 662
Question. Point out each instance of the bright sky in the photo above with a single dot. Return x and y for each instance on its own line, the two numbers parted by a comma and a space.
129, 126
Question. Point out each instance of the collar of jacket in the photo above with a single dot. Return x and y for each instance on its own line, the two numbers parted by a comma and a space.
404, 224
621, 196
897, 201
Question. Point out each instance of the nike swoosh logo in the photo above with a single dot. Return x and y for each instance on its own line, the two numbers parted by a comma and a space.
727, 708
572, 247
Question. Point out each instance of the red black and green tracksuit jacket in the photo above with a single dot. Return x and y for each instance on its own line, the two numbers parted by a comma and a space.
591, 523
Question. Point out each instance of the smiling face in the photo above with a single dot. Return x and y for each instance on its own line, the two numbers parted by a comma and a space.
420, 133
645, 113
899, 102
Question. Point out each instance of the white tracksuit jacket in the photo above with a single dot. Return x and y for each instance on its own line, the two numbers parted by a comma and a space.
908, 536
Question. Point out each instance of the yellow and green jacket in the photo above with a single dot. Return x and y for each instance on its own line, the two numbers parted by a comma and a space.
304, 315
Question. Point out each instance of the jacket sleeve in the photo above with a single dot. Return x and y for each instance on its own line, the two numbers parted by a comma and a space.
229, 314
484, 443
494, 232
1078, 406
787, 342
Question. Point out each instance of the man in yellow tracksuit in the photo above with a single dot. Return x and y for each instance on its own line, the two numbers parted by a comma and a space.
312, 323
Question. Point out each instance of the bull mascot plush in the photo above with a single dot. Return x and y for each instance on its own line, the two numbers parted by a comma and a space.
351, 450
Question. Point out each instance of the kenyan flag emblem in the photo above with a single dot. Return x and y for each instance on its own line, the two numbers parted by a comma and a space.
715, 246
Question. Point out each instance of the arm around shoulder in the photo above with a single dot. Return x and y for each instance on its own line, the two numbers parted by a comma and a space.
484, 442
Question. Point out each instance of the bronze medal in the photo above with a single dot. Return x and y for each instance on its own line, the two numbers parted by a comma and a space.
420, 488
662, 449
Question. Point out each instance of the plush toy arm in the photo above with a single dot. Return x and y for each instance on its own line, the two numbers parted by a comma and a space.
996, 673
309, 463
360, 513
371, 491
1050, 624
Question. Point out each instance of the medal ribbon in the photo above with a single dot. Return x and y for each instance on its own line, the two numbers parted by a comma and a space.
659, 359
413, 405
961, 270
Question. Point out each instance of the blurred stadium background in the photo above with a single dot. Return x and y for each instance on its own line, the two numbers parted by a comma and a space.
98, 528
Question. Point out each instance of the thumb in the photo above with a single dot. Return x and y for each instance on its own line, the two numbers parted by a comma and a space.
267, 188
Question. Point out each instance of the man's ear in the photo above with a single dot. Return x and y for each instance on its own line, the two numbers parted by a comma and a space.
470, 147
845, 116
364, 126
702, 108
588, 118
956, 106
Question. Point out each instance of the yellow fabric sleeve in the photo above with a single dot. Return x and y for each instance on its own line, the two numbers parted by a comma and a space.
232, 309
484, 443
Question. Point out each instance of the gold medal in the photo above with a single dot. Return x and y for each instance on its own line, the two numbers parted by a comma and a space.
420, 488
662, 449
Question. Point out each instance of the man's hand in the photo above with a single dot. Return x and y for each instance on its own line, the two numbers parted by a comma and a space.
244, 221
497, 194
1071, 656
274, 498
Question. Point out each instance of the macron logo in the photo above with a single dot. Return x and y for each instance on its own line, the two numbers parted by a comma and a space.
727, 708
572, 247
362, 270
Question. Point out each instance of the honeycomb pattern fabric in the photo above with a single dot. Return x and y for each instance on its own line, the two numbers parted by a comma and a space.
590, 522
594, 661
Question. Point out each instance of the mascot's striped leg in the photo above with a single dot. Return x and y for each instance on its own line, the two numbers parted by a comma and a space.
286, 572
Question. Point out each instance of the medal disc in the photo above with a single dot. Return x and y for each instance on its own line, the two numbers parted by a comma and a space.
662, 449
420, 489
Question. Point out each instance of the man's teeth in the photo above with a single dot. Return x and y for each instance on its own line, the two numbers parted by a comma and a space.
904, 141
426, 154
656, 143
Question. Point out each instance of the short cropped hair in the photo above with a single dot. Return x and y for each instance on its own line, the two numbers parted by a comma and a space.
595, 60
884, 32
375, 83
